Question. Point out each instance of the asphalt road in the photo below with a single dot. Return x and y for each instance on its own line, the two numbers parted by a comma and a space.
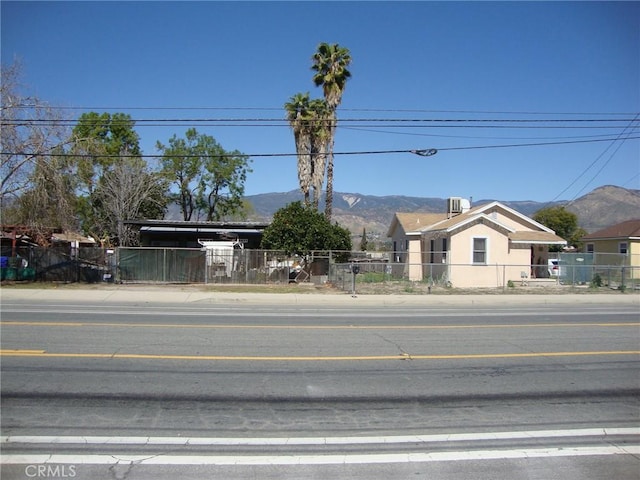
100, 389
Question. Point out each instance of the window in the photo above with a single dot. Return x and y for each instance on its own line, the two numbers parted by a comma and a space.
444, 250
622, 248
432, 247
480, 251
590, 248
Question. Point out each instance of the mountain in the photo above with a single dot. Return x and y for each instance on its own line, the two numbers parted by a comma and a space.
605, 206
598, 209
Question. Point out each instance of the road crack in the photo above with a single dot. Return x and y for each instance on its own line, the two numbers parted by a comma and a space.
403, 353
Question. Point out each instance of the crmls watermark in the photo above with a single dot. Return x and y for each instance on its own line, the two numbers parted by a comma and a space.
50, 471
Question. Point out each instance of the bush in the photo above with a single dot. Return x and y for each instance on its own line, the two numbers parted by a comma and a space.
298, 230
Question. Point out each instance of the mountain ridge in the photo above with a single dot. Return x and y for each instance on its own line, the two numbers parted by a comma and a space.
602, 207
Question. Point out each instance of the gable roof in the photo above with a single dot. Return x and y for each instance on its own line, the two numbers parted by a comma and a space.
628, 229
413, 222
459, 221
419, 223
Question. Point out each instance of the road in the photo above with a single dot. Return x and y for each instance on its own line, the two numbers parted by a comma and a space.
191, 390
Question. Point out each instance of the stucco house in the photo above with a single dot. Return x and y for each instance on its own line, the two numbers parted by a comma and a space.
484, 246
622, 239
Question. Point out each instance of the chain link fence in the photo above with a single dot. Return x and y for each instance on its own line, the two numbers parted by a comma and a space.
221, 264
234, 265
571, 269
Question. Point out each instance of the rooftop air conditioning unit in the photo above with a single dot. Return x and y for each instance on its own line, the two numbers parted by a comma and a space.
457, 205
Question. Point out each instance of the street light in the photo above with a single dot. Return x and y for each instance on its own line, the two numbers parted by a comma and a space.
425, 153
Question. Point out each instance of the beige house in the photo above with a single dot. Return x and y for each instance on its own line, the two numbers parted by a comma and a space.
485, 246
622, 239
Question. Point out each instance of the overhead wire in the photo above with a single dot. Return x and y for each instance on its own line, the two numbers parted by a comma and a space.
362, 152
618, 146
613, 142
340, 109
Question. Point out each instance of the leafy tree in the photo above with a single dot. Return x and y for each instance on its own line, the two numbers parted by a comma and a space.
181, 164
209, 179
364, 244
113, 180
98, 142
563, 222
331, 62
300, 229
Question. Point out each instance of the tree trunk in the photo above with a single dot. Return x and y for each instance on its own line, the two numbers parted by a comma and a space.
328, 208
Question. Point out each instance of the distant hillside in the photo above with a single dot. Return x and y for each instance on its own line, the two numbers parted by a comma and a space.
600, 208
606, 206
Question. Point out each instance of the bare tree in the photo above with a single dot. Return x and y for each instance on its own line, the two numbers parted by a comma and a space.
124, 192
29, 131
49, 201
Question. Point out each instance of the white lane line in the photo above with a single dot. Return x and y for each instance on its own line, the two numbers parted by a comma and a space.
325, 312
285, 441
242, 460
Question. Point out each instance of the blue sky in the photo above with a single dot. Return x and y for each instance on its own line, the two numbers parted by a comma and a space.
423, 61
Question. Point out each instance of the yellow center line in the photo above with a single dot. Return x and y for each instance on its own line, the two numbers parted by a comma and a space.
314, 327
21, 352
141, 356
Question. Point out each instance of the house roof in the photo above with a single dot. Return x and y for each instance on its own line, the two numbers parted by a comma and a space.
531, 237
418, 223
191, 227
190, 224
68, 237
628, 230
412, 222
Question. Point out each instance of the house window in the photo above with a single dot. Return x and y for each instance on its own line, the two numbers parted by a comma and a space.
444, 250
590, 248
432, 247
480, 251
622, 248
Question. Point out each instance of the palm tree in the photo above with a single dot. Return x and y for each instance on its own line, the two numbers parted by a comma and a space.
319, 126
297, 109
330, 63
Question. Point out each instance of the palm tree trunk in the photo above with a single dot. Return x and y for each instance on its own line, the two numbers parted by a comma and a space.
328, 207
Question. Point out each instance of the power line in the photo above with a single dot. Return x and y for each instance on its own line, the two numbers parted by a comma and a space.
340, 120
619, 145
439, 135
340, 109
363, 152
613, 141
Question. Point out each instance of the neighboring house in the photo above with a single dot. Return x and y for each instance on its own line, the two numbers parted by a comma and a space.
485, 246
188, 234
622, 239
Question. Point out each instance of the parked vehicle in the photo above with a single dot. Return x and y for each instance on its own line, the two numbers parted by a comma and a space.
555, 268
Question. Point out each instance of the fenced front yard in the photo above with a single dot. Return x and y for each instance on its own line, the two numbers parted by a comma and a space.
239, 266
